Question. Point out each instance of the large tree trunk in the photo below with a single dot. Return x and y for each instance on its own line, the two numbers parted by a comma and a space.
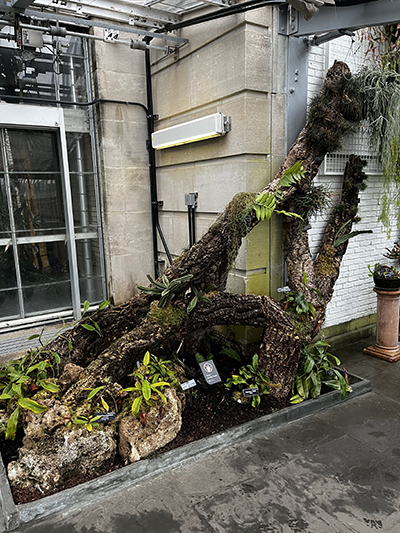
129, 330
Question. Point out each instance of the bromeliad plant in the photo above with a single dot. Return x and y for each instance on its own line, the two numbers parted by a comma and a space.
148, 386
317, 368
165, 290
249, 377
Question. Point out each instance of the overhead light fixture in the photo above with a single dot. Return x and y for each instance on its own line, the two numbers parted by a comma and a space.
215, 125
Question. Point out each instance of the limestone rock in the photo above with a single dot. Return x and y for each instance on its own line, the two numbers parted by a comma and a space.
70, 375
46, 463
162, 425
38, 425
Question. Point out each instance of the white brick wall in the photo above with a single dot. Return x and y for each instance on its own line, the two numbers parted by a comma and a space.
353, 297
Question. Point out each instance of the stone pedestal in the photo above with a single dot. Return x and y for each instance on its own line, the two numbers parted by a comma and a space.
387, 327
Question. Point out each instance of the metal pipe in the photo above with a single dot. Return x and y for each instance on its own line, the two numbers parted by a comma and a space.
41, 15
83, 205
6, 97
164, 242
69, 220
93, 145
56, 31
152, 163
224, 12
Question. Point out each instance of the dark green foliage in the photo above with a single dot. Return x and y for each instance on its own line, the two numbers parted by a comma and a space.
165, 289
317, 368
148, 386
314, 202
251, 376
21, 379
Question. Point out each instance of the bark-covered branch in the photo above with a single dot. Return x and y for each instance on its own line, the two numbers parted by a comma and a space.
138, 326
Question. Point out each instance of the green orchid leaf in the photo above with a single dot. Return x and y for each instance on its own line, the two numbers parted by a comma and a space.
146, 358
146, 390
103, 305
12, 425
88, 327
136, 405
48, 385
192, 304
296, 399
161, 395
95, 391
104, 404
27, 403
56, 357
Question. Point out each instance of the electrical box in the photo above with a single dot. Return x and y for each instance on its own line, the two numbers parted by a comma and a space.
30, 38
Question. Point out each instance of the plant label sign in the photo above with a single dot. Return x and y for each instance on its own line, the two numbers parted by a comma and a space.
210, 372
248, 393
105, 417
188, 384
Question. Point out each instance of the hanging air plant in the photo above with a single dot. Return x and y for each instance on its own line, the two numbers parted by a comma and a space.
379, 89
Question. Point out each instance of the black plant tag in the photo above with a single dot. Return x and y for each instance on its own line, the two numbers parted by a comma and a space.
105, 417
210, 372
248, 393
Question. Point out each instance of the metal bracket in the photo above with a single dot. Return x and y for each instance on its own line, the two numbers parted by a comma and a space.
110, 34
326, 37
345, 17
288, 20
227, 124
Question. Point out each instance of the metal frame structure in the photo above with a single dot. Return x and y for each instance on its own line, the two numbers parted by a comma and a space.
328, 24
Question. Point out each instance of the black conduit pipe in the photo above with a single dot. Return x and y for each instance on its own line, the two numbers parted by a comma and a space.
220, 13
152, 160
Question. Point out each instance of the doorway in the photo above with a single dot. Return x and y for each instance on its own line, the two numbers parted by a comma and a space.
50, 247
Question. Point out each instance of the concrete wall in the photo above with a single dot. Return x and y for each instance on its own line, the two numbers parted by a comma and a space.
119, 73
235, 66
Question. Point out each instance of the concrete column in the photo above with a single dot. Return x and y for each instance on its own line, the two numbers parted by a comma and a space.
387, 327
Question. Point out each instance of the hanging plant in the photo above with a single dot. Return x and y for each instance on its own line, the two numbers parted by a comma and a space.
379, 88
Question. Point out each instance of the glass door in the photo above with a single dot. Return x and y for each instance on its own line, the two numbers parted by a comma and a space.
51, 256
35, 273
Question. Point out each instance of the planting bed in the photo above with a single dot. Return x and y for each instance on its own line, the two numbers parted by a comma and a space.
222, 420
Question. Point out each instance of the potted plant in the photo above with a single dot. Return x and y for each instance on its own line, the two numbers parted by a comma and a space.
386, 278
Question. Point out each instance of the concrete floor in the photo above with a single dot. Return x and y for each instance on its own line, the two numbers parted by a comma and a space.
336, 471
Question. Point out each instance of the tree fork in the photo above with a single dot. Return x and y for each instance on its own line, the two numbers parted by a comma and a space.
127, 333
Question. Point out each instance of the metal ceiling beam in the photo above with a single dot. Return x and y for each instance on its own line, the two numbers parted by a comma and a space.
119, 10
43, 15
21, 4
378, 13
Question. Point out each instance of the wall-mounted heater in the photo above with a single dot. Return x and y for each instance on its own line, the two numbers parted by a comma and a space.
196, 130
